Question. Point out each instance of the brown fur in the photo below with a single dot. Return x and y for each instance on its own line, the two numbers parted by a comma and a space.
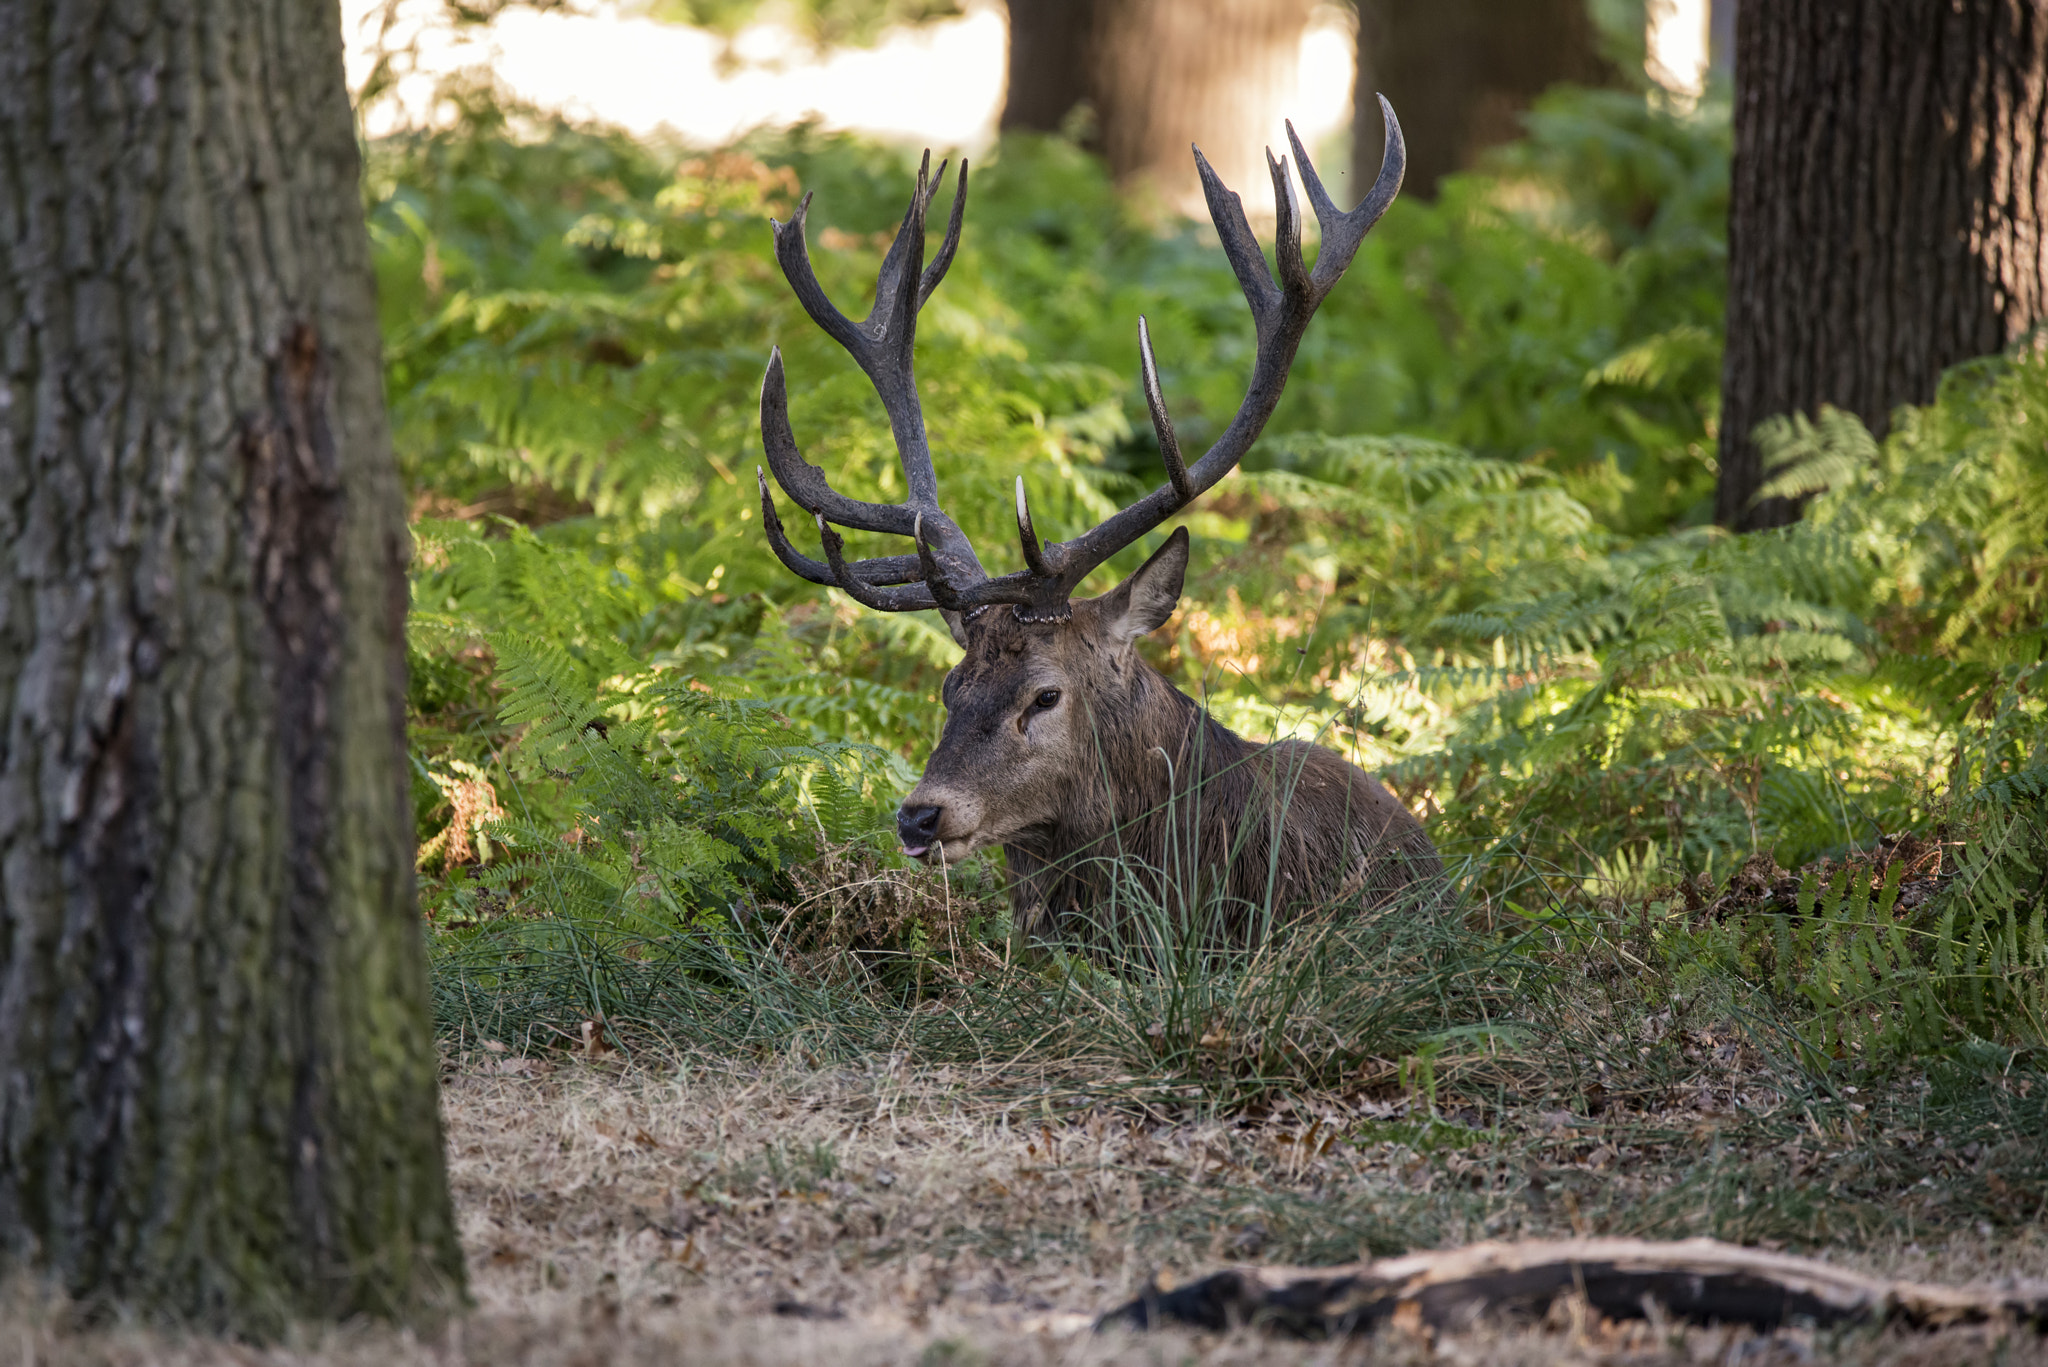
1125, 779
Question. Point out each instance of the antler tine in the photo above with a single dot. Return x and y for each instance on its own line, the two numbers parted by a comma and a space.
886, 569
894, 315
794, 258
1280, 315
778, 541
1342, 233
1240, 245
1169, 444
1028, 535
805, 482
902, 599
936, 272
1294, 278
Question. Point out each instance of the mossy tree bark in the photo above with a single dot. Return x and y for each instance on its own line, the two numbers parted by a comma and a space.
1161, 74
1887, 214
217, 1072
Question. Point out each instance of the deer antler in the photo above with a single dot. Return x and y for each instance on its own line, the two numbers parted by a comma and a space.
882, 344
951, 575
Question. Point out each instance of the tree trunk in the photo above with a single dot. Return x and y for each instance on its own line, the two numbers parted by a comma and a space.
1886, 216
1162, 74
219, 1071
1214, 73
1049, 57
1460, 74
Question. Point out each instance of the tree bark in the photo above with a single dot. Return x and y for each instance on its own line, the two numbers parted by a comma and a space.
217, 1070
1160, 75
1049, 63
1886, 215
1460, 74
1212, 73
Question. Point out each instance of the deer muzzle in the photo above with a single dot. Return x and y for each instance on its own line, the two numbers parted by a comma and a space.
918, 829
941, 823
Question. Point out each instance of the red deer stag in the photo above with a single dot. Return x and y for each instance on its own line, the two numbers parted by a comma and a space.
1103, 783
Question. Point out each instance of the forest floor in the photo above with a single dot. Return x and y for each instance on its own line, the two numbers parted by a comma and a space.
777, 1212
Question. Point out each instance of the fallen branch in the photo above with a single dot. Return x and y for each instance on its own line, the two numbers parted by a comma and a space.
1699, 1280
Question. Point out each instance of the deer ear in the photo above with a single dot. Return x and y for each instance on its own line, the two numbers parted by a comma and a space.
1143, 602
956, 624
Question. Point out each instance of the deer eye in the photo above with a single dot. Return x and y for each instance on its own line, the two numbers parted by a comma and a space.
1048, 699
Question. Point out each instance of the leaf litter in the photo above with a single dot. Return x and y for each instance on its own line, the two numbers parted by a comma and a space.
777, 1211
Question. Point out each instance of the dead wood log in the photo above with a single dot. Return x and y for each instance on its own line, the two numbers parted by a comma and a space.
1702, 1281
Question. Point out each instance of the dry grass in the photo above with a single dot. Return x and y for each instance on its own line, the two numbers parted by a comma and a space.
711, 1211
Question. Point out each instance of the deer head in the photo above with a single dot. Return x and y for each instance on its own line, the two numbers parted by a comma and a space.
1046, 677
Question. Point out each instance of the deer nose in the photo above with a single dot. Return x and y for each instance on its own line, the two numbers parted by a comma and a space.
918, 828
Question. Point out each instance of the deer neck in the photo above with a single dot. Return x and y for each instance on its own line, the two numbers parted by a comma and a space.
1154, 740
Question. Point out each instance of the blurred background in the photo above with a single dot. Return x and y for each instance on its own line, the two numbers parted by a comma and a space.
1134, 81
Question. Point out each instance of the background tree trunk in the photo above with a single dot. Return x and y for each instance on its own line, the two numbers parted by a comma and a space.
1050, 54
1215, 73
1460, 74
1162, 74
219, 1070
1886, 216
